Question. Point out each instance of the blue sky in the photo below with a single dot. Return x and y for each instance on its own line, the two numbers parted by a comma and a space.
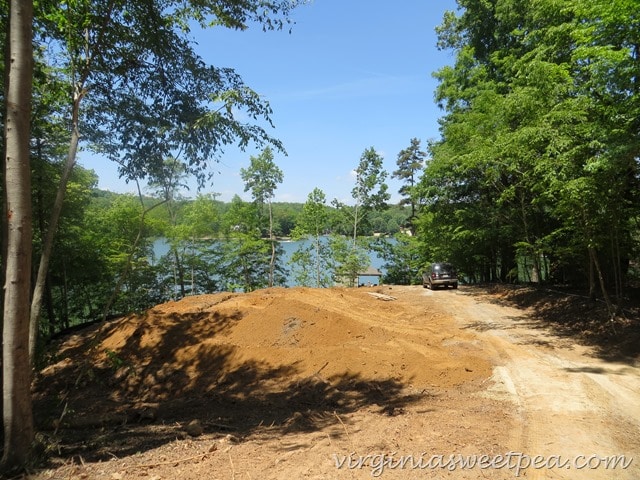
352, 74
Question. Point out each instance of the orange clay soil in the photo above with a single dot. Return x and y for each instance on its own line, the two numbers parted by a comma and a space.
286, 383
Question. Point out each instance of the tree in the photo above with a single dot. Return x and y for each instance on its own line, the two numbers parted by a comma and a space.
262, 178
607, 58
121, 232
348, 259
124, 51
195, 235
538, 158
16, 367
246, 255
148, 95
410, 163
312, 222
168, 180
78, 262
404, 258
369, 193
49, 144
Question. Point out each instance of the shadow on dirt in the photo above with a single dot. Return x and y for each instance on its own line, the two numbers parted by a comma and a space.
102, 403
573, 316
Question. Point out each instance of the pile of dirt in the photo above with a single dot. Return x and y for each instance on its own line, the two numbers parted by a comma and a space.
340, 383
257, 365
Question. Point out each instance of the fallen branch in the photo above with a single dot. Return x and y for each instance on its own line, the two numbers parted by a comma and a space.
343, 426
382, 296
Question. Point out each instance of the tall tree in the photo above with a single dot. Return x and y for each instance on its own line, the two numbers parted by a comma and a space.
262, 178
168, 181
121, 56
77, 263
16, 368
50, 137
313, 222
410, 163
370, 191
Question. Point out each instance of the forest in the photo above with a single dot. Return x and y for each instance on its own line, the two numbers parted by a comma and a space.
533, 179
538, 159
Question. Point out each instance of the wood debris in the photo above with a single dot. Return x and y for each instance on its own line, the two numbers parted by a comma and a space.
382, 296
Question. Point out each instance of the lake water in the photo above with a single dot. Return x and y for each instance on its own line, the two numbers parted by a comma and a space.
161, 247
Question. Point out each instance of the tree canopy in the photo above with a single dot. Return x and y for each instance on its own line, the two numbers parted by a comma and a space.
536, 173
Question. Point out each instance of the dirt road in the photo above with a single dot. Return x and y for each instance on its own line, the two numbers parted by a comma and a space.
566, 401
387, 382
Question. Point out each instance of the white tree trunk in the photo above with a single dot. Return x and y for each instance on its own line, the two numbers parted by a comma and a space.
273, 247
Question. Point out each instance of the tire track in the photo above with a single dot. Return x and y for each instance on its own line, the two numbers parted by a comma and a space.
568, 402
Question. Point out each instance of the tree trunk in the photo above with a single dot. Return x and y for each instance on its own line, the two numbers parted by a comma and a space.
605, 295
5, 217
17, 408
592, 278
51, 314
317, 259
193, 266
178, 272
47, 247
273, 247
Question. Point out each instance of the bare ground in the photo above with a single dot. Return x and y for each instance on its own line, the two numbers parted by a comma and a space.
385, 382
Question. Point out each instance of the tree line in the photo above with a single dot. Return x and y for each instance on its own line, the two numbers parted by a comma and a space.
534, 177
536, 170
105, 263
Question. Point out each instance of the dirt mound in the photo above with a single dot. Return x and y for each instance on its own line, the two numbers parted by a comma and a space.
271, 337
262, 364
400, 383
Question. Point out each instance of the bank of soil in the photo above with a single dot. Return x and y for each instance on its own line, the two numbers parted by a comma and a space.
328, 383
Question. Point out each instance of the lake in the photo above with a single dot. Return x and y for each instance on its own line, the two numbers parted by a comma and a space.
161, 247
